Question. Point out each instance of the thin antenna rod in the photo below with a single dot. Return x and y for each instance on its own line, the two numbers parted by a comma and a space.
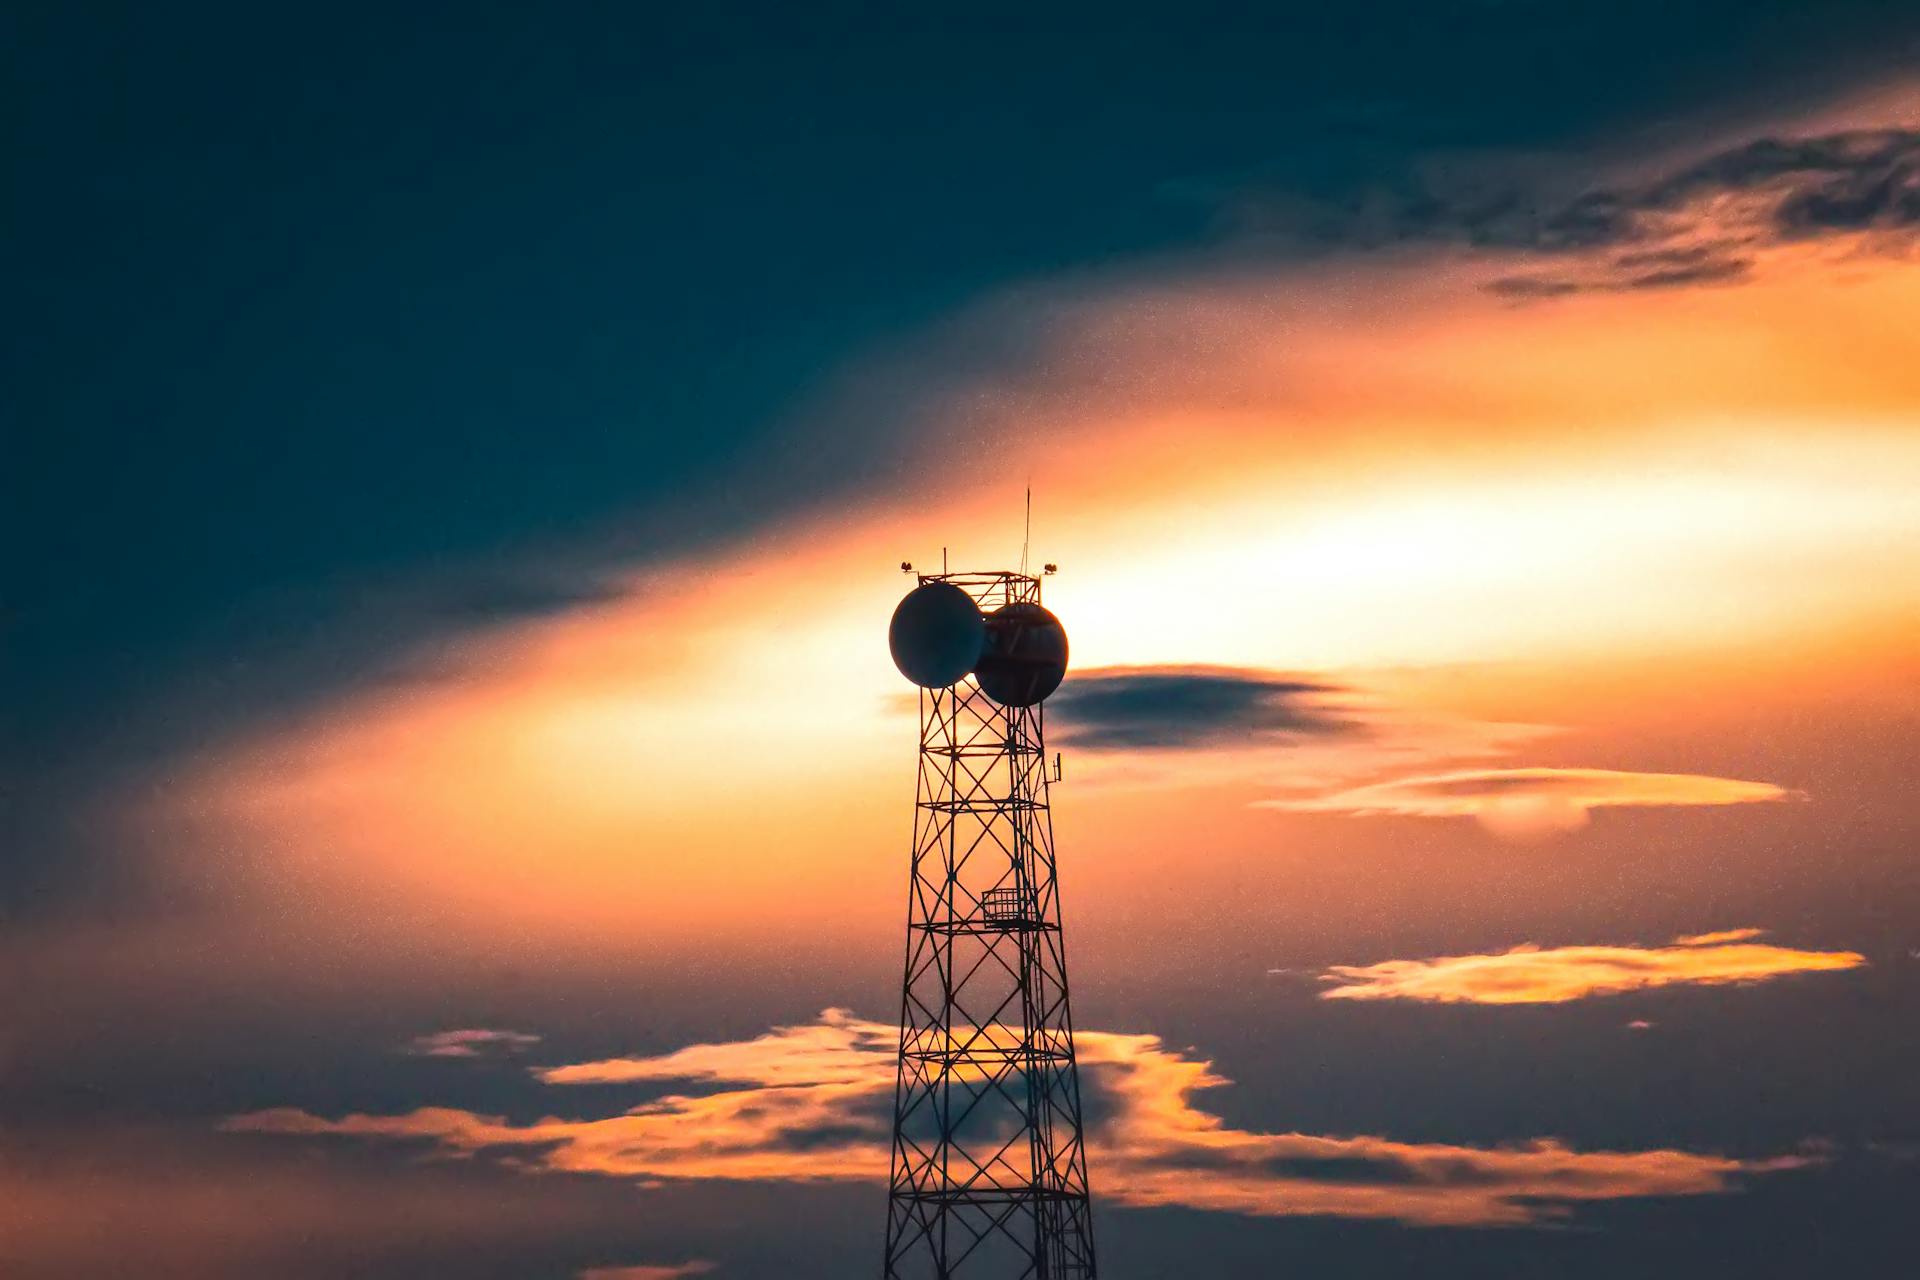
1026, 538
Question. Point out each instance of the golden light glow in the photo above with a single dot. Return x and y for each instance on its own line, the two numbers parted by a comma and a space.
1376, 469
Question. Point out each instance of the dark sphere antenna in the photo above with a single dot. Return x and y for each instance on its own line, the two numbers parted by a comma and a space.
937, 635
1025, 657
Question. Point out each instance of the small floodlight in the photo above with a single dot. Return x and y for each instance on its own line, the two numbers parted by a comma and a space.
1051, 568
906, 566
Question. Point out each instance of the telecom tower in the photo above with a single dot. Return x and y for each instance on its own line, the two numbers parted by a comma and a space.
989, 1173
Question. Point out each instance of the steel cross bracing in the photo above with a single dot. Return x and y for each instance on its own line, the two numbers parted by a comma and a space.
989, 1173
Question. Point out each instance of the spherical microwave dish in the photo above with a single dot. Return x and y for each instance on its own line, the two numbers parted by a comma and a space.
937, 635
1026, 655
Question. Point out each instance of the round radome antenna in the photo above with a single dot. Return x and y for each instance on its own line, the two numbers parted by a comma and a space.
937, 635
1026, 655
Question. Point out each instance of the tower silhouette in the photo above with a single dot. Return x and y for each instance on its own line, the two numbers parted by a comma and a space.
989, 1172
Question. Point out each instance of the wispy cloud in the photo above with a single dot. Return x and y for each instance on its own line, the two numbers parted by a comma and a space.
676, 1271
1713, 221
1301, 734
1531, 803
1530, 975
839, 1049
1708, 221
810, 1102
1724, 935
470, 1042
1117, 708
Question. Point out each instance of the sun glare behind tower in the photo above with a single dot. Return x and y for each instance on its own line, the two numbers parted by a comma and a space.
989, 1171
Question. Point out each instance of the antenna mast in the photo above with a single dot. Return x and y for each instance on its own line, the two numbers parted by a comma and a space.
989, 1174
1026, 537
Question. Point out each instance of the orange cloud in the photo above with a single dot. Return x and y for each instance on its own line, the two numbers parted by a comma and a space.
1529, 975
812, 1104
1530, 803
837, 1050
676, 1271
1724, 935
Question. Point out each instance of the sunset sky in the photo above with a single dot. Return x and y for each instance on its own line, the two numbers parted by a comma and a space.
457, 795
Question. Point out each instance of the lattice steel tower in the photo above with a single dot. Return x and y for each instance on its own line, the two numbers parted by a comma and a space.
989, 1174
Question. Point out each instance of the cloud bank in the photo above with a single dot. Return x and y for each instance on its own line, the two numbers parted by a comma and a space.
811, 1102
1529, 975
